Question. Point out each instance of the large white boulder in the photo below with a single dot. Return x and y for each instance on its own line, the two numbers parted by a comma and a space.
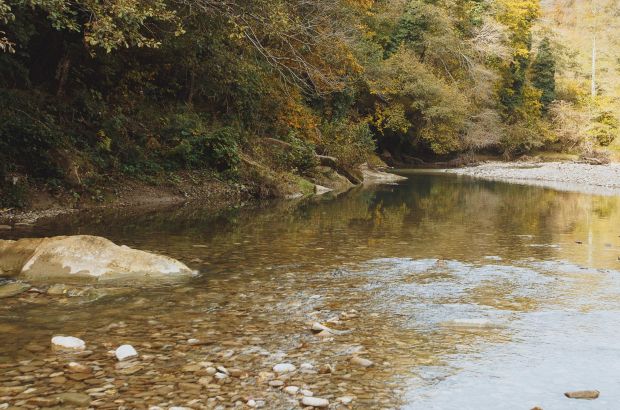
83, 257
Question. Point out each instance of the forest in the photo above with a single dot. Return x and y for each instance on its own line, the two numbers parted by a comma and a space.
94, 91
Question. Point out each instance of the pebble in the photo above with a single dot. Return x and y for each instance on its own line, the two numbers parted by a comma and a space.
276, 383
205, 381
322, 329
345, 399
251, 403
360, 361
221, 376
78, 368
284, 368
292, 390
583, 394
76, 399
125, 352
68, 343
314, 402
306, 392
306, 366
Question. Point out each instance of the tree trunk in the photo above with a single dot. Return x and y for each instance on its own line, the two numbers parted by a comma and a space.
62, 74
192, 87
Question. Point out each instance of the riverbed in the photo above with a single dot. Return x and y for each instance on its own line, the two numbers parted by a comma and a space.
463, 293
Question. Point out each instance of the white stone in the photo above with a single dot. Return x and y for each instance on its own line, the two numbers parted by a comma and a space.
314, 402
292, 390
306, 366
306, 392
125, 352
221, 376
251, 403
83, 256
360, 361
284, 368
345, 399
472, 323
68, 343
193, 341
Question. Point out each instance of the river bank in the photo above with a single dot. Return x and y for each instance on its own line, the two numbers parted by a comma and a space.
187, 187
562, 176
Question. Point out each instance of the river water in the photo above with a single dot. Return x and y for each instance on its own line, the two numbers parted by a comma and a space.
465, 294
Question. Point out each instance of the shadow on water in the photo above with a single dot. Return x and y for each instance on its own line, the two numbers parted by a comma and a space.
416, 261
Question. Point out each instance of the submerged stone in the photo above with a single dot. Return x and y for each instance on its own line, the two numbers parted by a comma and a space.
76, 399
583, 394
360, 361
284, 368
125, 352
314, 401
13, 289
68, 343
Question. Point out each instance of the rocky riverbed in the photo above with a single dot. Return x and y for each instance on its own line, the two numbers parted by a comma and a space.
221, 349
565, 176
441, 293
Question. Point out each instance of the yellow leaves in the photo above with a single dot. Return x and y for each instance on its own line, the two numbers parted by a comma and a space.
531, 107
519, 16
361, 4
391, 117
293, 114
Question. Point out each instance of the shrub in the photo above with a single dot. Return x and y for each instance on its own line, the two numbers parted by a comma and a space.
605, 128
351, 143
302, 155
194, 146
28, 135
569, 123
13, 195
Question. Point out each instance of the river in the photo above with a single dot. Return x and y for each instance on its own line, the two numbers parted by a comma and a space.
465, 294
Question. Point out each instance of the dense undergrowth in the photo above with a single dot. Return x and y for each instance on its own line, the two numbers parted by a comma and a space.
93, 91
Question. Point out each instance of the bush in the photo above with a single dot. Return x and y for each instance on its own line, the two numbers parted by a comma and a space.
28, 135
13, 195
350, 143
524, 136
569, 124
605, 128
194, 146
302, 155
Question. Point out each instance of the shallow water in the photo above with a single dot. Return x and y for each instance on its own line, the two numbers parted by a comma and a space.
413, 261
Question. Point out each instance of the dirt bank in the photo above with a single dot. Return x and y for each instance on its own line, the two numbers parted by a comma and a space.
564, 176
193, 187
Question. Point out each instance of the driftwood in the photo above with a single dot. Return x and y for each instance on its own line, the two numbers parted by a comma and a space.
332, 162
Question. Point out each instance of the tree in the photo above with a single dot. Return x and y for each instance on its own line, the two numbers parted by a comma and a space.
543, 73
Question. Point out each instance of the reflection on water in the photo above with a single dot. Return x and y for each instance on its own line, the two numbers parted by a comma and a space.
535, 269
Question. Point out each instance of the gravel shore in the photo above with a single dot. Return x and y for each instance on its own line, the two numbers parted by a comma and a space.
563, 176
